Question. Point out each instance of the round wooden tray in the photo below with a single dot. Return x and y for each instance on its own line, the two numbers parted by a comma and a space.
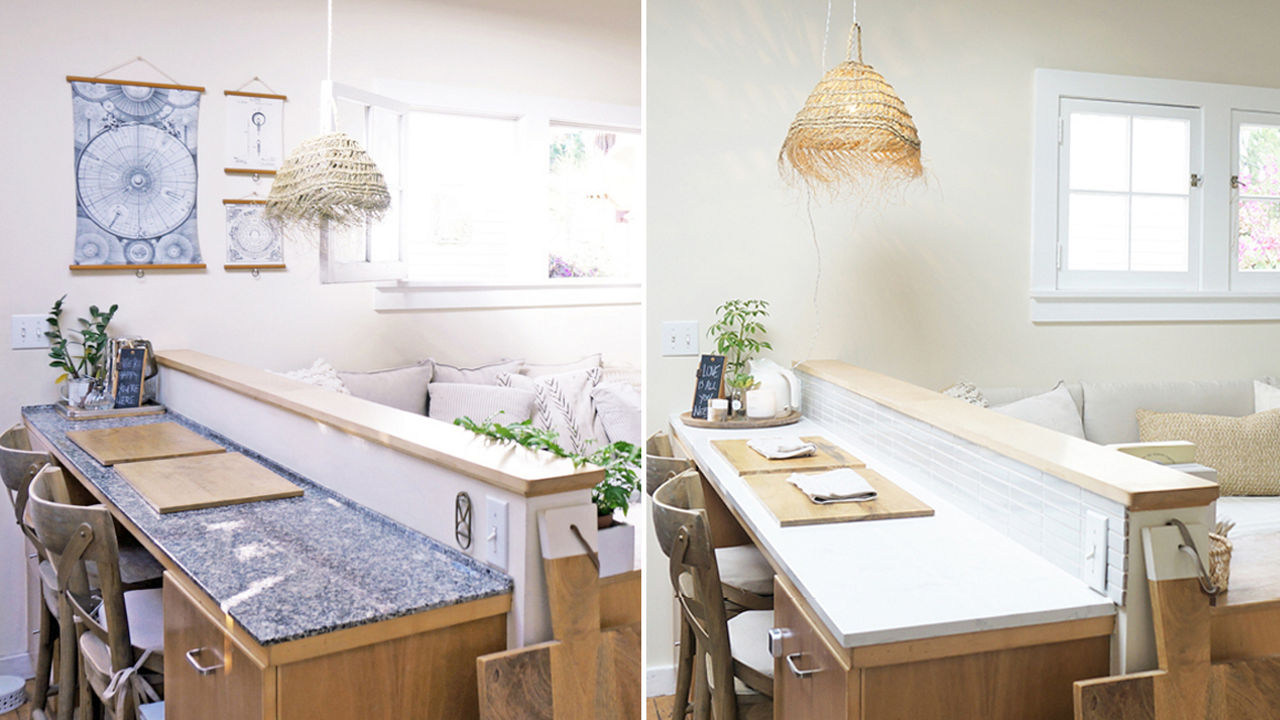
745, 424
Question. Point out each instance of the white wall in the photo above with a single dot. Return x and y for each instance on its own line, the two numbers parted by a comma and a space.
934, 287
281, 320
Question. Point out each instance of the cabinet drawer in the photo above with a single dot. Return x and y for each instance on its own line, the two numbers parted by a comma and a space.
228, 684
810, 679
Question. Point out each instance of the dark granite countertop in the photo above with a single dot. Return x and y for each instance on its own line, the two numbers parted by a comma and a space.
292, 568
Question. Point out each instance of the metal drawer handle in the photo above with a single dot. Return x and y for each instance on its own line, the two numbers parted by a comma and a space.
201, 669
791, 665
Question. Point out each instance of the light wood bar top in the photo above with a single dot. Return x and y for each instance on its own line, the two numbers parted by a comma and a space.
520, 470
1136, 483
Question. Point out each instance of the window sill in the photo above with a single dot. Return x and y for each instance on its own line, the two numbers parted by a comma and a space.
409, 296
1064, 306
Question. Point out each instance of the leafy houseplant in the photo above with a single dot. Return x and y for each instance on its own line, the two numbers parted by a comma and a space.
620, 460
739, 336
84, 374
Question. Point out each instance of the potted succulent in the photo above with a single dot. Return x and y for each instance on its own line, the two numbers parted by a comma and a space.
83, 377
739, 334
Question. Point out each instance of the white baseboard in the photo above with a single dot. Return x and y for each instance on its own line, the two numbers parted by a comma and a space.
660, 680
20, 666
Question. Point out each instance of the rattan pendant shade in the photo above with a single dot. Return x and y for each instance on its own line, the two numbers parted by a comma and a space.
328, 179
853, 131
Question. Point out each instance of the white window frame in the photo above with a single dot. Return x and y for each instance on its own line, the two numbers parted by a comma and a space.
535, 117
1252, 281
1218, 292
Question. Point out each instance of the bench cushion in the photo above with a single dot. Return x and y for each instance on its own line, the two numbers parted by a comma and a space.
1111, 409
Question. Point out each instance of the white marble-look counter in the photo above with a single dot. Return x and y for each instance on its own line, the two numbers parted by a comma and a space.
881, 581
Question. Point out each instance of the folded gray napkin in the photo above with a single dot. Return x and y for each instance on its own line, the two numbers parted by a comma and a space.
834, 486
780, 448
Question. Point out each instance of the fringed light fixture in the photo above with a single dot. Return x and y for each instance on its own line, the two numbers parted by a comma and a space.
853, 131
328, 180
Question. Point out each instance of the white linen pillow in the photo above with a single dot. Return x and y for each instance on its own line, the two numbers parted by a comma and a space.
1053, 409
618, 407
562, 403
321, 374
404, 388
1265, 396
486, 374
450, 401
620, 373
533, 370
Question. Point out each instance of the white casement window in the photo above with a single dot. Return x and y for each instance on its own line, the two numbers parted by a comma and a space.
501, 200
1154, 200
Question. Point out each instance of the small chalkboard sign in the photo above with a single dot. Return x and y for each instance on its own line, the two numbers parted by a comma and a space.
130, 370
710, 384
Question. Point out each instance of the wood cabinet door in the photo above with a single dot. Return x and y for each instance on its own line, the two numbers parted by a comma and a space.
232, 687
809, 680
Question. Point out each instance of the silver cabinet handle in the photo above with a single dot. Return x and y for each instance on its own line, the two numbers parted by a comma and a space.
201, 669
791, 665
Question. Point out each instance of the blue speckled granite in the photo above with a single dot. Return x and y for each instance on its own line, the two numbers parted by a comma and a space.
292, 568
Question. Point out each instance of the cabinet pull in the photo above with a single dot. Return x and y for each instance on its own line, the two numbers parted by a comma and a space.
201, 669
791, 665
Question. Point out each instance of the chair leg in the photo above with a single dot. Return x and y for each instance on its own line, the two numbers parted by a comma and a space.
701, 690
44, 655
684, 670
69, 653
85, 695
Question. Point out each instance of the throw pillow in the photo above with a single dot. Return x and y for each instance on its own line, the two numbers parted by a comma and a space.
450, 401
562, 404
620, 373
404, 388
1265, 396
967, 392
1053, 409
321, 374
618, 407
486, 374
1244, 450
590, 361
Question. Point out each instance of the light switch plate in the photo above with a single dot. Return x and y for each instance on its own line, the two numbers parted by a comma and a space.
1095, 550
497, 533
679, 337
27, 332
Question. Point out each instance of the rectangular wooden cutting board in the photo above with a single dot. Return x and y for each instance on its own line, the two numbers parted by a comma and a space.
749, 462
792, 507
142, 442
204, 481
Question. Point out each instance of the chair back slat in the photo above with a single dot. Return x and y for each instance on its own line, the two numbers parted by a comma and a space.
18, 467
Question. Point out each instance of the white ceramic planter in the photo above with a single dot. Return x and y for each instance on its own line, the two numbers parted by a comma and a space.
617, 549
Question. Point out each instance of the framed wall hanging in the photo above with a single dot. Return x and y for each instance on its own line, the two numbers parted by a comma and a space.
253, 242
255, 130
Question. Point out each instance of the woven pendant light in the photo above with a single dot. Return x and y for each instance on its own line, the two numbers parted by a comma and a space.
328, 180
853, 131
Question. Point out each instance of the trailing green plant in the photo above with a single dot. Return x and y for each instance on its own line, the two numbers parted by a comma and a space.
91, 337
739, 335
620, 460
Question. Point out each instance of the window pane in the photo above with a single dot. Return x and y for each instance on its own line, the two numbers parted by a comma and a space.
1099, 157
594, 188
1098, 232
1259, 241
1159, 237
1259, 160
1161, 155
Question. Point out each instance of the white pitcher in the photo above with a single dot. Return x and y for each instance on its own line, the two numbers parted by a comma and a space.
782, 382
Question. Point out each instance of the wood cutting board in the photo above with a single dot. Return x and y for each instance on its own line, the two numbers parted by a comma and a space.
746, 461
792, 507
204, 481
142, 442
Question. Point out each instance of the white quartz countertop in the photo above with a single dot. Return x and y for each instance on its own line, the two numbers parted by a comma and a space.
884, 581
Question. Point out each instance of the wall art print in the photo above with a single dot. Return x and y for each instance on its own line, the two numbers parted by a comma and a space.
251, 239
135, 169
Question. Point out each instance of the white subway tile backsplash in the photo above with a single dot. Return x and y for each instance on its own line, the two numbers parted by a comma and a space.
1037, 510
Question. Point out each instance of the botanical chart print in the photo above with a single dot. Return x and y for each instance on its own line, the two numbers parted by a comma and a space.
255, 132
251, 238
135, 165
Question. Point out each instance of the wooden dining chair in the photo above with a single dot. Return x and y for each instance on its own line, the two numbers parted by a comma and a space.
121, 647
719, 649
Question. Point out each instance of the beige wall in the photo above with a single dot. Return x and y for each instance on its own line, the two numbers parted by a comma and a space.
283, 320
934, 287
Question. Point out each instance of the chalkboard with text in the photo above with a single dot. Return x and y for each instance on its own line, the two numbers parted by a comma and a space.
130, 369
710, 384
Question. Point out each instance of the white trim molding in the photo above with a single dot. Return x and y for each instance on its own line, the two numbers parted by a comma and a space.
408, 296
1096, 307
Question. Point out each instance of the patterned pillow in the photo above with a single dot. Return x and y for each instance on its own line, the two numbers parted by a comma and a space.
618, 407
486, 374
321, 374
562, 403
967, 392
1244, 450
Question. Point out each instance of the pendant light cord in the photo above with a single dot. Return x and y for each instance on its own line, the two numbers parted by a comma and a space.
328, 50
817, 280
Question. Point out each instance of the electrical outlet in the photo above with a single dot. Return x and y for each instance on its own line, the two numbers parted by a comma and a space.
497, 533
680, 338
1095, 550
27, 331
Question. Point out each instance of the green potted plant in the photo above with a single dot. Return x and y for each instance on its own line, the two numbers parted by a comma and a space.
739, 333
83, 377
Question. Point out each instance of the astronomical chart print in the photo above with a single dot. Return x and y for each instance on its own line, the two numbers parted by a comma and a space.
251, 238
135, 165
